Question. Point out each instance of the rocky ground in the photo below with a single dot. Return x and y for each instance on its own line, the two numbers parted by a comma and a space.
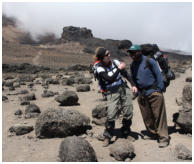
29, 148
29, 90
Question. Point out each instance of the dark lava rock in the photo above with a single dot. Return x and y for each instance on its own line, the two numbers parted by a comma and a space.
61, 123
181, 152
122, 149
76, 149
67, 98
20, 129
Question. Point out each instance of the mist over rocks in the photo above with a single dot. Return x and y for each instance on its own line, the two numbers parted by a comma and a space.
74, 43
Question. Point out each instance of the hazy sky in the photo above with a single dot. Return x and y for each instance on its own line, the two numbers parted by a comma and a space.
168, 24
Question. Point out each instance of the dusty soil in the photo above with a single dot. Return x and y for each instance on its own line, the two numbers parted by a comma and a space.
28, 148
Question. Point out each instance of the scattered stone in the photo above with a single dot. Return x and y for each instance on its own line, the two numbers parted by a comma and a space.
11, 88
32, 111
24, 91
100, 122
47, 93
67, 98
18, 112
29, 97
25, 103
61, 123
4, 98
9, 77
83, 88
184, 117
68, 81
23, 68
99, 111
184, 120
181, 152
187, 96
188, 79
26, 78
16, 85
51, 81
8, 83
19, 129
76, 149
82, 80
179, 101
122, 149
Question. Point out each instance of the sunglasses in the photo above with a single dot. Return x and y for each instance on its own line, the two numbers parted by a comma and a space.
107, 54
132, 53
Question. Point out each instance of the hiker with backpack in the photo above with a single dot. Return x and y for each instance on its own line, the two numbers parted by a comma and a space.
150, 85
119, 95
153, 51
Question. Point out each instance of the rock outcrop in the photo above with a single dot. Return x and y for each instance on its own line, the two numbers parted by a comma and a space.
71, 33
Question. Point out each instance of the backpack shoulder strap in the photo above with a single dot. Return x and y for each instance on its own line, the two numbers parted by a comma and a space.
147, 62
148, 65
115, 65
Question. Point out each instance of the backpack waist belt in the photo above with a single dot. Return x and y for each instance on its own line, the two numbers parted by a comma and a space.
143, 91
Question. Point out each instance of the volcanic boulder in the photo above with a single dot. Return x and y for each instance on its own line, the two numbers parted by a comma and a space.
183, 118
76, 149
67, 98
61, 123
122, 149
83, 88
181, 152
32, 111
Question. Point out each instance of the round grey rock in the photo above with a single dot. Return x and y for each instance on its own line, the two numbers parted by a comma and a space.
61, 123
122, 149
76, 149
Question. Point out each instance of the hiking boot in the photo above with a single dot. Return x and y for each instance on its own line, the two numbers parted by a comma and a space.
106, 142
163, 144
150, 137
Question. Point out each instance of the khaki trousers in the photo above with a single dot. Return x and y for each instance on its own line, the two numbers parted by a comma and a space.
154, 114
119, 99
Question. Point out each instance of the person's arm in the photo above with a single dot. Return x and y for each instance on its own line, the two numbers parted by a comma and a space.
125, 74
158, 75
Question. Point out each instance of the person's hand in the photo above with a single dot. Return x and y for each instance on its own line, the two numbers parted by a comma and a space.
134, 90
121, 65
